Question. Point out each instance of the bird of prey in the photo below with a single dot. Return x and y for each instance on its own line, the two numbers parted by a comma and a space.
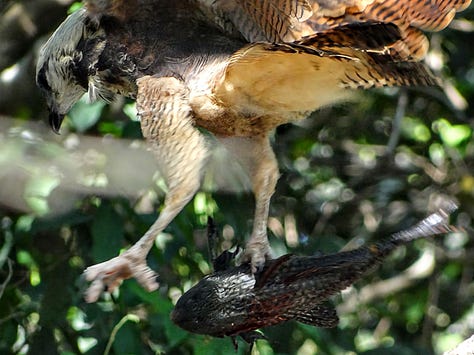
234, 68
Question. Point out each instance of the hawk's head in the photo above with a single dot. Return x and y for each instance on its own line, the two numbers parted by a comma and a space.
67, 62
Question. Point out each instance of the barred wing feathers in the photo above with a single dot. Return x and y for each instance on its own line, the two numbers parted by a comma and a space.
316, 71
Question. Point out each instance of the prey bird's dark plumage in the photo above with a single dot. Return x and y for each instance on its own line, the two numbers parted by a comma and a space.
234, 301
237, 68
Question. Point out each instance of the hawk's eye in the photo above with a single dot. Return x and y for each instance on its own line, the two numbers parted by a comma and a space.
41, 79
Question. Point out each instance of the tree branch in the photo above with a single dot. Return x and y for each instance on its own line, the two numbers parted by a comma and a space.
420, 269
465, 348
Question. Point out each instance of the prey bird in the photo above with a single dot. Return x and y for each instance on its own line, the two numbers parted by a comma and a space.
234, 68
233, 301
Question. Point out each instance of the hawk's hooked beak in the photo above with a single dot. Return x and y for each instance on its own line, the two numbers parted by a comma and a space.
55, 120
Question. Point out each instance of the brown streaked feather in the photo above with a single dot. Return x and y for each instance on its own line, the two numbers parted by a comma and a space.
412, 47
277, 19
370, 36
262, 20
410, 16
314, 72
432, 15
337, 8
429, 15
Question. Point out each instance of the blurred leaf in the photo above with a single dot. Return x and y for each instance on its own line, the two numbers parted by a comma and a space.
447, 341
37, 191
26, 259
74, 7
467, 184
437, 154
130, 110
415, 129
110, 128
84, 115
207, 345
107, 233
452, 135
125, 336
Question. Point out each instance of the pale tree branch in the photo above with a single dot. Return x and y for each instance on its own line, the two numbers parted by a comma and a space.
464, 348
420, 269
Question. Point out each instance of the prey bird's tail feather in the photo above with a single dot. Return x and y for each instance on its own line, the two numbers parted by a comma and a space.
343, 268
436, 223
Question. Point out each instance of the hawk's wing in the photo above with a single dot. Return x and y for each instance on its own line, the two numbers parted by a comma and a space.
411, 16
260, 20
305, 75
284, 21
429, 15
289, 20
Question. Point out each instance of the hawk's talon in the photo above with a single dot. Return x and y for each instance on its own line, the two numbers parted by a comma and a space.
256, 253
107, 276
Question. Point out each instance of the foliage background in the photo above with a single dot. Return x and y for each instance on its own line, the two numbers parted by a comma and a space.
350, 175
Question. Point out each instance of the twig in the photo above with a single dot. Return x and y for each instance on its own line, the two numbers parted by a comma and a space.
128, 317
20, 314
7, 280
431, 310
397, 122
4, 251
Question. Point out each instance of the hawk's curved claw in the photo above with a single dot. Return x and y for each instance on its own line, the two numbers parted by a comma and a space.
110, 274
256, 253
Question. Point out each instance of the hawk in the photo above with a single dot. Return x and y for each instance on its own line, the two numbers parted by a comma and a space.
234, 68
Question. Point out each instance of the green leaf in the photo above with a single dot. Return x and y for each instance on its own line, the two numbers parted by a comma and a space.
107, 233
452, 135
74, 7
84, 115
130, 110
126, 336
37, 191
414, 128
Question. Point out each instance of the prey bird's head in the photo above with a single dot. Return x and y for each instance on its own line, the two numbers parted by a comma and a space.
66, 64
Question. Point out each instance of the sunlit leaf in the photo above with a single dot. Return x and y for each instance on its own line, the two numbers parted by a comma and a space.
74, 7
437, 154
447, 341
37, 191
415, 129
84, 115
85, 344
130, 110
452, 135
26, 259
110, 128
24, 223
467, 183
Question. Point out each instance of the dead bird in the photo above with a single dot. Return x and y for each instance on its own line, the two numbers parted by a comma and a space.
233, 301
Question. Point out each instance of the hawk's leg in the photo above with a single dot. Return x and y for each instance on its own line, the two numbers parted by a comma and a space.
167, 125
257, 157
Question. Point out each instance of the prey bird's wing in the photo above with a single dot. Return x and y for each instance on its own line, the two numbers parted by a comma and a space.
322, 316
316, 71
